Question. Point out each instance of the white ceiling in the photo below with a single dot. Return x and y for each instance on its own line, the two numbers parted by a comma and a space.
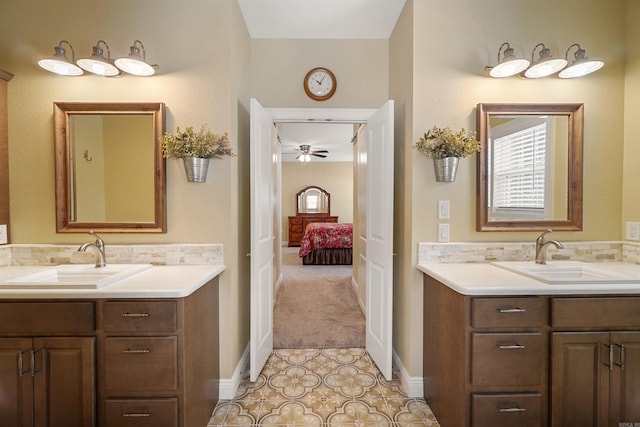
321, 19
334, 137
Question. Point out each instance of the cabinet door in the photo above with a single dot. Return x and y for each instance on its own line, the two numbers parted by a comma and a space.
580, 379
16, 382
64, 383
625, 378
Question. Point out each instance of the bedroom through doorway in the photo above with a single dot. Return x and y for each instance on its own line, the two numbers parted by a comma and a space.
317, 303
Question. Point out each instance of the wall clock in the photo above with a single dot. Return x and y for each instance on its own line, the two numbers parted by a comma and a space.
320, 84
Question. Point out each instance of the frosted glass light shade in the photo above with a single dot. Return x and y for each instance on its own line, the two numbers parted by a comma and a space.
59, 63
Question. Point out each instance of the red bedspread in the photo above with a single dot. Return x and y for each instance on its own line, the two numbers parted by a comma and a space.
325, 235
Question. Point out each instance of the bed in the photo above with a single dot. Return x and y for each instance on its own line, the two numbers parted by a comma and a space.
327, 244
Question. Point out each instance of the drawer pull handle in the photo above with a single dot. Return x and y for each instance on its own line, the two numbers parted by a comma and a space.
135, 315
512, 310
622, 355
512, 347
515, 409
137, 414
136, 350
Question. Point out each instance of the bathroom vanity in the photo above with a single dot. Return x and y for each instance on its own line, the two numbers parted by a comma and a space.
142, 351
504, 349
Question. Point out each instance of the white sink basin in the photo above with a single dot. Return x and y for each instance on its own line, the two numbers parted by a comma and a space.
75, 276
568, 272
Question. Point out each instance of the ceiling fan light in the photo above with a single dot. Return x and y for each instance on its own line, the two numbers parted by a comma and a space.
59, 63
581, 65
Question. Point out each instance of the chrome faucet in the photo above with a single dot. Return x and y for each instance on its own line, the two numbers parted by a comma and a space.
542, 245
99, 246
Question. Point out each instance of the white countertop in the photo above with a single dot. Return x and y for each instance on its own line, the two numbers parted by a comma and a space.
157, 282
488, 279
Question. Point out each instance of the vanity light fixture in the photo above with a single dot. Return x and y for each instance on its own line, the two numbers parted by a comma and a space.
134, 63
97, 63
546, 64
59, 63
581, 66
510, 65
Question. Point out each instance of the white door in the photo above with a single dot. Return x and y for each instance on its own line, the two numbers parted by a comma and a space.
263, 205
377, 161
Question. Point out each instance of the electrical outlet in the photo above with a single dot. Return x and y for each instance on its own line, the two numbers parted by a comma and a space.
443, 209
443, 233
3, 234
633, 230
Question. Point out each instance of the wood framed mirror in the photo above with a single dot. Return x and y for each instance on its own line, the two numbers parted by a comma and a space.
110, 171
313, 200
529, 174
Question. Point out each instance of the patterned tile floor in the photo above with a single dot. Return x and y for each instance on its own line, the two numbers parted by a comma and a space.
322, 387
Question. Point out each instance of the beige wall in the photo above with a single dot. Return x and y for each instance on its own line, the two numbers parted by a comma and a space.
432, 67
631, 183
334, 177
203, 50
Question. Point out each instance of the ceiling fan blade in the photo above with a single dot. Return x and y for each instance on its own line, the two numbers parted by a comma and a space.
320, 151
318, 155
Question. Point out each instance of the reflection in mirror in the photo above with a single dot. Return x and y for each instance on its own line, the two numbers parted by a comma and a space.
529, 167
109, 167
313, 200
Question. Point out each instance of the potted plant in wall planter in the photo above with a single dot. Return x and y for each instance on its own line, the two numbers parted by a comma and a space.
446, 147
196, 149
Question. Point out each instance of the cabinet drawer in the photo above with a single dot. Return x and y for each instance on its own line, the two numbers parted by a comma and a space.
296, 227
508, 312
141, 413
491, 410
139, 316
141, 364
38, 318
506, 359
612, 312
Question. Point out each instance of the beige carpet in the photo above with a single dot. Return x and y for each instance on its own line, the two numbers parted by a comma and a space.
316, 307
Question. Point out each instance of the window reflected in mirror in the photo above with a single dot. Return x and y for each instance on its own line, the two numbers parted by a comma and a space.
313, 200
529, 167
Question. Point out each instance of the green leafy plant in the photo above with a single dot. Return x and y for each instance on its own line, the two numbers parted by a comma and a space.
189, 143
440, 143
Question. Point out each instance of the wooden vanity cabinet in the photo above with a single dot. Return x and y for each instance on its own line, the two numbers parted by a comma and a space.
47, 364
110, 363
595, 361
562, 361
159, 360
485, 359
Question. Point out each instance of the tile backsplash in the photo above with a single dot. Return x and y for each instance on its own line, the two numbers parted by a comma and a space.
174, 254
433, 252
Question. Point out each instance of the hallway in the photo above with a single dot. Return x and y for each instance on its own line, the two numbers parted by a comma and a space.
322, 387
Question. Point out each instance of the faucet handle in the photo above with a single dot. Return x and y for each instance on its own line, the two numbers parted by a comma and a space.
99, 241
541, 236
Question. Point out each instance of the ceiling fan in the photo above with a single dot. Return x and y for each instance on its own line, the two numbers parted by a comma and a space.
306, 152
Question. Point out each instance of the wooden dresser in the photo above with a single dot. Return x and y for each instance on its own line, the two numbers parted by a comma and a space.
298, 223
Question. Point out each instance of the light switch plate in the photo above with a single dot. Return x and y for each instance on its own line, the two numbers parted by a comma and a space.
443, 233
633, 230
443, 209
4, 239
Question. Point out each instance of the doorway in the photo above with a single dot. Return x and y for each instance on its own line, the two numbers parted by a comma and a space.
317, 306
375, 216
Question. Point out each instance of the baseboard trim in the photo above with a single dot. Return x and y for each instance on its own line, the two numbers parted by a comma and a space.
414, 386
228, 387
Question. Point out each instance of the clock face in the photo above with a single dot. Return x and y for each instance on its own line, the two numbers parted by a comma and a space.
320, 84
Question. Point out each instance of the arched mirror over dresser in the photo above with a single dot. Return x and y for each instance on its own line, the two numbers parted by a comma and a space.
313, 204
